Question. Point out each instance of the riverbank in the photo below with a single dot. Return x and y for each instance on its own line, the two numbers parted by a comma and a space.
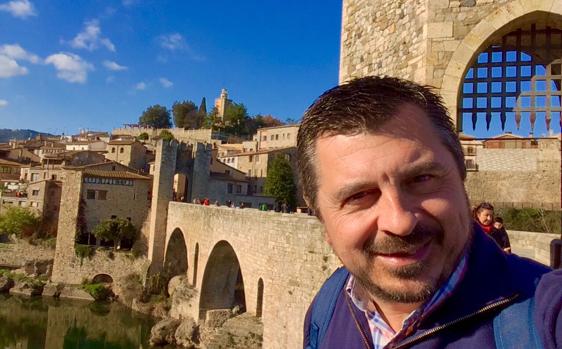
27, 269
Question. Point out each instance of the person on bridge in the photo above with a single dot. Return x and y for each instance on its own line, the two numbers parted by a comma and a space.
381, 164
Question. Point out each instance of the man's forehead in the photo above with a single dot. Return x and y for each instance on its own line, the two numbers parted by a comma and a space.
401, 122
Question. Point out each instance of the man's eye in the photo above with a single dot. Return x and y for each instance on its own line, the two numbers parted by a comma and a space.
361, 198
422, 178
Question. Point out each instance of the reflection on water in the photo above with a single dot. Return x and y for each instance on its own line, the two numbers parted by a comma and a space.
28, 323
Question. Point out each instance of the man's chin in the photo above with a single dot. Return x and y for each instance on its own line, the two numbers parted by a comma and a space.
400, 289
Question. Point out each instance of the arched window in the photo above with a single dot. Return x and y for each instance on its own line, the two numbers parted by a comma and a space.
514, 85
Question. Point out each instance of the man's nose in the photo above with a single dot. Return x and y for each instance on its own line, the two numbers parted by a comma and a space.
395, 213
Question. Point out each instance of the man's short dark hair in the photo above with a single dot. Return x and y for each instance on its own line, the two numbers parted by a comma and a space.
362, 106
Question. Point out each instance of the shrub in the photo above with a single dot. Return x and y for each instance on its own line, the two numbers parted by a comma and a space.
19, 221
84, 251
531, 219
100, 292
143, 136
115, 229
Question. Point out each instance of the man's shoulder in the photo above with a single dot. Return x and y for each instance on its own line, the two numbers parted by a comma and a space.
548, 308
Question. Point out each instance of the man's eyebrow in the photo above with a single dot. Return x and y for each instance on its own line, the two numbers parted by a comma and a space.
423, 167
352, 188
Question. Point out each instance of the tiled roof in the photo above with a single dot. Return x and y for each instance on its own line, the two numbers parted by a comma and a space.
122, 142
114, 174
9, 163
263, 151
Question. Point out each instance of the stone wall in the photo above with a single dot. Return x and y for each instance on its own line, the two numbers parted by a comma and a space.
537, 245
201, 135
117, 264
15, 255
286, 251
381, 37
521, 177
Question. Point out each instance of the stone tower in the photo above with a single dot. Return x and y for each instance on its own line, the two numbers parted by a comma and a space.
221, 103
162, 194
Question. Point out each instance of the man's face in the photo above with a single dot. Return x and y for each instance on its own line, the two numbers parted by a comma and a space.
393, 206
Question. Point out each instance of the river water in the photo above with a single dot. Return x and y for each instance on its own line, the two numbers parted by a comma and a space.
35, 323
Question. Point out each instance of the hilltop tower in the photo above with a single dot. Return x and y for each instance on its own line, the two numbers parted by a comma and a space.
221, 103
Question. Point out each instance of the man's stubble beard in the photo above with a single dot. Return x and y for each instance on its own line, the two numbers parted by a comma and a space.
423, 288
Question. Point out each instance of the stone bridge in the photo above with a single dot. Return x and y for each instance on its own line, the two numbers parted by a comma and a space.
271, 264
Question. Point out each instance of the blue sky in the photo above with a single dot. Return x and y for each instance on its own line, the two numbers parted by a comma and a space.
67, 65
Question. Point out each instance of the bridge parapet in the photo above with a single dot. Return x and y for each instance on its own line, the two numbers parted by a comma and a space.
532, 245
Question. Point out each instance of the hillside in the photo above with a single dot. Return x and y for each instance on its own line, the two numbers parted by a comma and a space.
7, 134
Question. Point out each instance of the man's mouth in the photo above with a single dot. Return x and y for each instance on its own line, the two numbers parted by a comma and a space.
401, 258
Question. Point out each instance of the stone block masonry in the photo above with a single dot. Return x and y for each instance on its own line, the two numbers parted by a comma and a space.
431, 42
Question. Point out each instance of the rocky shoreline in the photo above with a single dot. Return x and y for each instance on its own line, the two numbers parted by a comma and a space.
222, 328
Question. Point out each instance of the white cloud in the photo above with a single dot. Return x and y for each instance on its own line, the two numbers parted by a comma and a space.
3, 103
70, 67
17, 52
141, 86
113, 66
19, 8
166, 83
172, 41
90, 38
9, 67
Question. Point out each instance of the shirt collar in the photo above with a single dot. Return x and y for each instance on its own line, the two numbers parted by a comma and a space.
381, 332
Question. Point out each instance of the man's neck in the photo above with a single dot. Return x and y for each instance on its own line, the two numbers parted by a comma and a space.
394, 314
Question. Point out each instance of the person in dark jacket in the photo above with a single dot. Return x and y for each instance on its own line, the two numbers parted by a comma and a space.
500, 235
381, 164
483, 214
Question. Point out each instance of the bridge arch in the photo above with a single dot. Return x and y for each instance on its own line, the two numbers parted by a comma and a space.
259, 301
222, 285
102, 279
175, 260
487, 32
195, 264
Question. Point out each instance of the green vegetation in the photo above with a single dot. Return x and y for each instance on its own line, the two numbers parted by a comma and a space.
19, 221
156, 116
115, 230
143, 136
32, 282
166, 135
100, 292
531, 219
186, 115
84, 251
280, 182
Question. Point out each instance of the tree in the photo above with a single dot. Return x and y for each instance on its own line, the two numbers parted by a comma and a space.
280, 182
235, 115
267, 121
166, 135
19, 221
203, 107
143, 136
115, 229
155, 116
186, 115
